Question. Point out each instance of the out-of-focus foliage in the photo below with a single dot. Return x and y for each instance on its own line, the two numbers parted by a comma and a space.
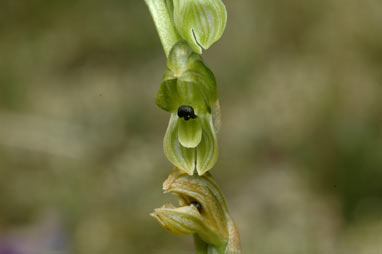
81, 157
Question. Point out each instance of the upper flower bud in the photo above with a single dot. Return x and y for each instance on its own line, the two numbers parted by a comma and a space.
200, 22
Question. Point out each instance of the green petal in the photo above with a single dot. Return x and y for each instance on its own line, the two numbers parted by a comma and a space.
200, 22
181, 157
207, 150
189, 93
167, 97
189, 132
205, 83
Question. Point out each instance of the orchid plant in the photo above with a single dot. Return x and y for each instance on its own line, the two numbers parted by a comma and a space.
189, 93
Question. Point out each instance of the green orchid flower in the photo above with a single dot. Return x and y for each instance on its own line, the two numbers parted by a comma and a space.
202, 212
200, 22
188, 91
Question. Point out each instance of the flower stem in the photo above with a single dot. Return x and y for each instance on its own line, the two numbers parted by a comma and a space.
204, 248
163, 22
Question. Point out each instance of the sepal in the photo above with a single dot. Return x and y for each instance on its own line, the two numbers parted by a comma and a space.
207, 150
177, 154
200, 22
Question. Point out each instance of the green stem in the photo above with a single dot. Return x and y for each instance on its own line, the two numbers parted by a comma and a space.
203, 248
163, 22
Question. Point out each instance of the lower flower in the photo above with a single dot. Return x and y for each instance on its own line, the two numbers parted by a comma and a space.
202, 212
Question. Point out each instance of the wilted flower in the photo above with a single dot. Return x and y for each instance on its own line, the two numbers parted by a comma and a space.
188, 92
202, 212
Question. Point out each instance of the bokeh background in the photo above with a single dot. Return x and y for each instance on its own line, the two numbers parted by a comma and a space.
81, 161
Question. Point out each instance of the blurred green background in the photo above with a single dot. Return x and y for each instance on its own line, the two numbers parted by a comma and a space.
81, 160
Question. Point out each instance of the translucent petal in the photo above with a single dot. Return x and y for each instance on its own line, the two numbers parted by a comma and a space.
189, 132
167, 97
200, 22
181, 157
207, 150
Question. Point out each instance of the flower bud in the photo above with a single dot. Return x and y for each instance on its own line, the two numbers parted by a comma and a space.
199, 22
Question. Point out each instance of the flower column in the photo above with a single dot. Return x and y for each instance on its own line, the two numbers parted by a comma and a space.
188, 92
